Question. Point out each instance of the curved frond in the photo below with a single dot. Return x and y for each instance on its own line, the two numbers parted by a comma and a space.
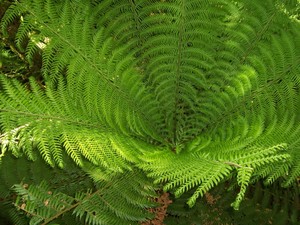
192, 92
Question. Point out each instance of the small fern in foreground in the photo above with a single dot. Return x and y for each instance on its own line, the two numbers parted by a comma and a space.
192, 93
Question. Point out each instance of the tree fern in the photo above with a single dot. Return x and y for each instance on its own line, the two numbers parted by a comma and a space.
191, 92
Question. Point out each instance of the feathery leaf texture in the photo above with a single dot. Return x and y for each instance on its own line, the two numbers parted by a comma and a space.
73, 195
100, 206
191, 92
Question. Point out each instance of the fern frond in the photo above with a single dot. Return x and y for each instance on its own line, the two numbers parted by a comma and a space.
112, 205
185, 172
192, 92
52, 122
74, 55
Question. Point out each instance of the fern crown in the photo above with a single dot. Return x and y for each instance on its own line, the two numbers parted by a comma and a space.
190, 92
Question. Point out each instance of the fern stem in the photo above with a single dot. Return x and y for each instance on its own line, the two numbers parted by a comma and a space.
49, 117
46, 221
258, 38
137, 26
177, 78
235, 164
13, 49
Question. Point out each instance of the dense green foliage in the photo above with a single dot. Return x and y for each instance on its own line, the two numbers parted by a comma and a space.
130, 96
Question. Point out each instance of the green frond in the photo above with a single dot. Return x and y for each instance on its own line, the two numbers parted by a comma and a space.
243, 179
294, 172
48, 129
185, 172
105, 205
